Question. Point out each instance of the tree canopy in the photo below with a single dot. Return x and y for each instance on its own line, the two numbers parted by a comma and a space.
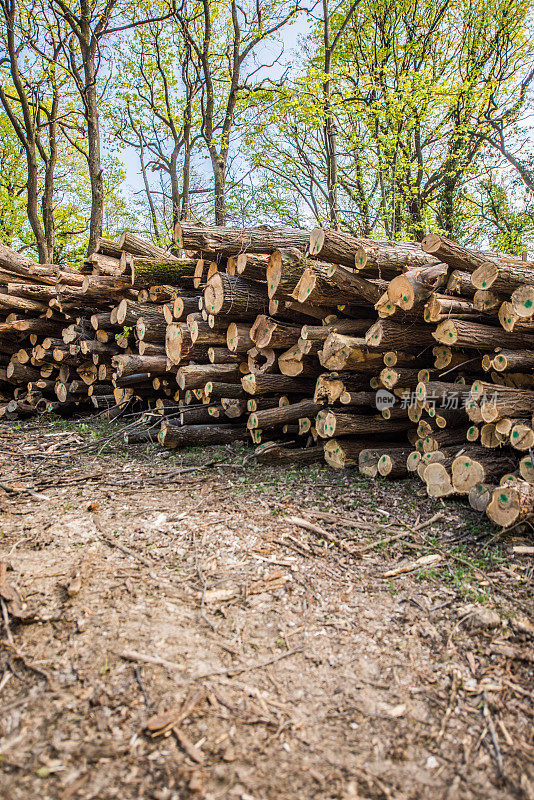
386, 119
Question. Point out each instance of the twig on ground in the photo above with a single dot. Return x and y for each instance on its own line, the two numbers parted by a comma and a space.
493, 733
5, 617
13, 649
450, 706
126, 550
133, 655
137, 674
239, 670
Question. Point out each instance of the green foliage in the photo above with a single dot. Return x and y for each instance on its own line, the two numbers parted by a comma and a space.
126, 331
12, 185
415, 89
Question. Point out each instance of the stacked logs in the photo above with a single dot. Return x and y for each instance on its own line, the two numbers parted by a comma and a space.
398, 358
67, 336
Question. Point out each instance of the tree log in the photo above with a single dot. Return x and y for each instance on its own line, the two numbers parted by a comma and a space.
440, 307
233, 296
508, 360
216, 242
348, 353
238, 338
136, 246
276, 384
278, 453
220, 389
455, 255
271, 418
522, 435
261, 361
108, 247
460, 283
512, 503
221, 355
392, 464
342, 453
178, 342
476, 465
504, 402
195, 376
523, 300
502, 277
268, 332
202, 333
474, 336
197, 435
168, 271
183, 306
413, 288
479, 496
389, 335
332, 423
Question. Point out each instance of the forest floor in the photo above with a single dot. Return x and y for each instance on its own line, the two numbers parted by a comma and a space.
169, 633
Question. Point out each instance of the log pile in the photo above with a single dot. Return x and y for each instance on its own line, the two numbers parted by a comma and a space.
394, 357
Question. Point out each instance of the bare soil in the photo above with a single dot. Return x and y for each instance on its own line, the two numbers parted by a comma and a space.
138, 582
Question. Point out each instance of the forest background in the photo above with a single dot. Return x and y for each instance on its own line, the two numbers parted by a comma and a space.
388, 119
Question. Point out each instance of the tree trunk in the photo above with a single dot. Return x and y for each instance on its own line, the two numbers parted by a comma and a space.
90, 97
219, 176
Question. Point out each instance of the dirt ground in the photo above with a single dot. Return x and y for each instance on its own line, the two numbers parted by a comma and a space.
169, 633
